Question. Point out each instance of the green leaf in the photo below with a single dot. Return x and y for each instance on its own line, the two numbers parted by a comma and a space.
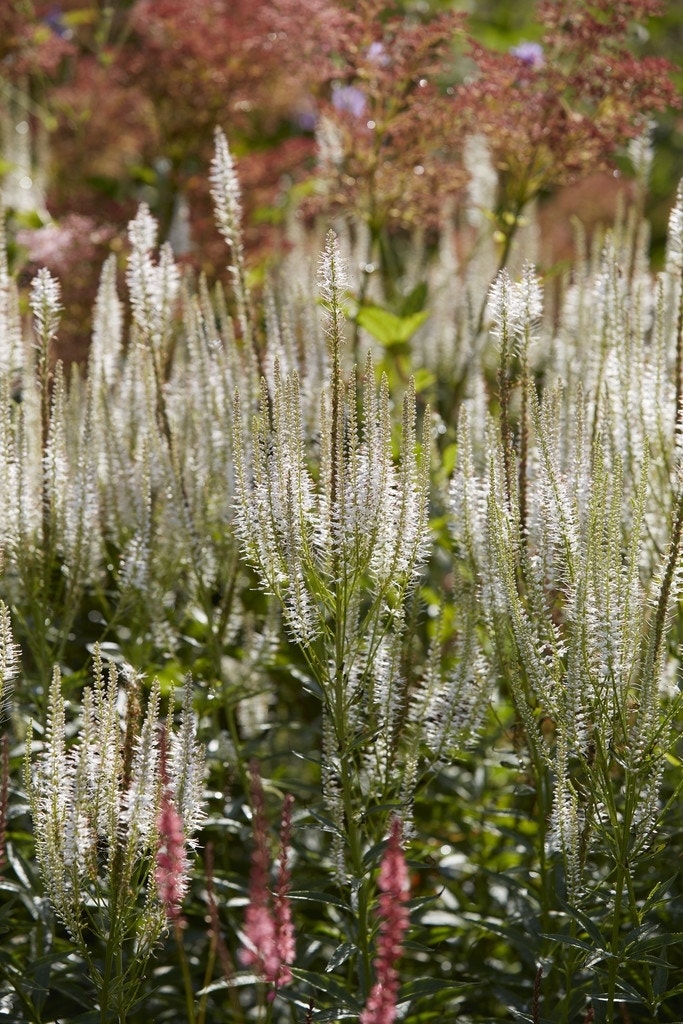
330, 986
423, 379
415, 301
660, 979
19, 865
676, 991
335, 1014
589, 926
326, 824
315, 896
307, 757
237, 981
647, 936
570, 940
657, 895
81, 16
627, 994
388, 328
341, 955
420, 987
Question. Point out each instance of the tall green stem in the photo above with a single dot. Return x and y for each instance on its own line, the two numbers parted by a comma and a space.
188, 986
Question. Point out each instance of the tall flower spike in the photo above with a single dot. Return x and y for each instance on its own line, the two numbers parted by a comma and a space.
333, 283
225, 191
674, 266
9, 655
45, 305
674, 250
186, 766
641, 152
153, 286
107, 335
4, 794
46, 309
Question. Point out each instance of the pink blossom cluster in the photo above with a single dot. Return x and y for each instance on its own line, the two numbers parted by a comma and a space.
270, 945
172, 866
59, 245
395, 890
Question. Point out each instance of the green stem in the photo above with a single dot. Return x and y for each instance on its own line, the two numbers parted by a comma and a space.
106, 980
346, 761
621, 885
208, 974
363, 290
187, 977
356, 856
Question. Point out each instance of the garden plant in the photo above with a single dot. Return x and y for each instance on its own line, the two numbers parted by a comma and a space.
340, 598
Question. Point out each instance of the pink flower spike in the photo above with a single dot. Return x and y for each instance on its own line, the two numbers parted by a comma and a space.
395, 891
171, 872
171, 860
286, 941
268, 930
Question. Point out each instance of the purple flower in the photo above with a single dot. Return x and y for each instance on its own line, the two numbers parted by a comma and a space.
54, 19
377, 54
306, 120
530, 54
349, 99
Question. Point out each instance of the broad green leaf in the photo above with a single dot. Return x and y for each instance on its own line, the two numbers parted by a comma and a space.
388, 328
423, 379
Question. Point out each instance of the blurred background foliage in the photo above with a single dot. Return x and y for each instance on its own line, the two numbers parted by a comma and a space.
109, 105
501, 25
